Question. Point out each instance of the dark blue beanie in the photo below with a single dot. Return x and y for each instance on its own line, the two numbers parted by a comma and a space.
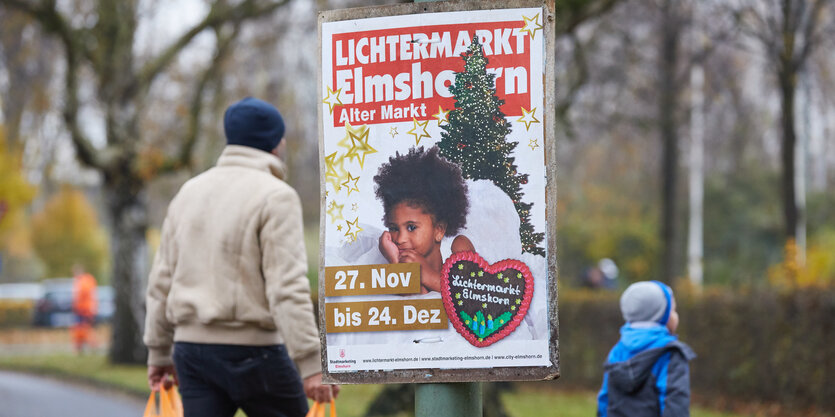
254, 123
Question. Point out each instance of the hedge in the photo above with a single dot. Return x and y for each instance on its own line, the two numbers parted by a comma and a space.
753, 346
15, 313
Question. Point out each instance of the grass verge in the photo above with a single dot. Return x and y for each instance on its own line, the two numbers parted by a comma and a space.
528, 400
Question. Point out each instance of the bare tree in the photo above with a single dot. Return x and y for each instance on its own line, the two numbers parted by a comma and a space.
104, 49
790, 31
668, 107
25, 61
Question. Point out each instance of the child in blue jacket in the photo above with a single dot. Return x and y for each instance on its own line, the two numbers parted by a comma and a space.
647, 373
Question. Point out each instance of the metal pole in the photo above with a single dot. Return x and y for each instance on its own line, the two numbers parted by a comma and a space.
695, 234
462, 399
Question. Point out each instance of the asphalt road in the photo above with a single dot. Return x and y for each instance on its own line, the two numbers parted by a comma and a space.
24, 395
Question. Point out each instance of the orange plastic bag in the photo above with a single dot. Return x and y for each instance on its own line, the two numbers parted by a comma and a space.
318, 410
164, 403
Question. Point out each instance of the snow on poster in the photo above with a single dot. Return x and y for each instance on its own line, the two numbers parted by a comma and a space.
434, 243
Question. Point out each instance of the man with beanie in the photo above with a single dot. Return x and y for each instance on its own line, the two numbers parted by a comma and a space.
229, 315
647, 372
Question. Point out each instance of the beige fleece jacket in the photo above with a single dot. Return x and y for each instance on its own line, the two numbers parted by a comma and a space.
231, 267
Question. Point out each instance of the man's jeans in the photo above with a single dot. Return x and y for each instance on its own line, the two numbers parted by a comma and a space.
216, 380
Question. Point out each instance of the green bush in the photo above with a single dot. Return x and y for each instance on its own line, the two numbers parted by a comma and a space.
765, 345
752, 346
589, 323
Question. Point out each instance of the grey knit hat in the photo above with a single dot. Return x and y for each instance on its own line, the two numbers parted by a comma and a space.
647, 301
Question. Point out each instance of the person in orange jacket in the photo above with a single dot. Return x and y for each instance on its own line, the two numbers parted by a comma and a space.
85, 306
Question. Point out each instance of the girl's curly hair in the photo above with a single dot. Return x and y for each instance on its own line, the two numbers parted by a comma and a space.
427, 180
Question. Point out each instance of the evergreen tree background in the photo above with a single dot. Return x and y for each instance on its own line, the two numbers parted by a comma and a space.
476, 139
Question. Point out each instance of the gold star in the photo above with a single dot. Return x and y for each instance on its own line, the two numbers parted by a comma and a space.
330, 160
393, 131
418, 135
335, 212
354, 207
359, 146
533, 144
442, 115
334, 170
339, 228
345, 142
531, 25
528, 117
353, 229
332, 99
353, 187
343, 176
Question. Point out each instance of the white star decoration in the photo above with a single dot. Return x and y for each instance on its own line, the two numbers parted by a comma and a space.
332, 99
528, 117
533, 144
353, 229
442, 115
531, 25
419, 134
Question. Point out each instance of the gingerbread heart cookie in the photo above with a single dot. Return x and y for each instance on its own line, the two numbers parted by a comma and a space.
485, 302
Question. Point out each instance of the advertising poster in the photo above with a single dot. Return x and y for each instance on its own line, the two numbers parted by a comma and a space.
434, 226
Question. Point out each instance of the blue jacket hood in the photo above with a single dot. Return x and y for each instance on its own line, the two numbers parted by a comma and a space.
634, 340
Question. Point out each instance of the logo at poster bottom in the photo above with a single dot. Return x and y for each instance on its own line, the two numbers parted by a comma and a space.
485, 302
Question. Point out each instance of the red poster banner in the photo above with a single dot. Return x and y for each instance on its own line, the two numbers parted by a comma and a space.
401, 74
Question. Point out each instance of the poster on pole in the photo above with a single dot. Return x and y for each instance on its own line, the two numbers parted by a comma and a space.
437, 245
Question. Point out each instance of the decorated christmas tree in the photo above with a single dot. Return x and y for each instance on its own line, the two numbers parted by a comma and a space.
476, 139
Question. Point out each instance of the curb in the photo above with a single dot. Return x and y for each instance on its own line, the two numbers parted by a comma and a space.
80, 381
